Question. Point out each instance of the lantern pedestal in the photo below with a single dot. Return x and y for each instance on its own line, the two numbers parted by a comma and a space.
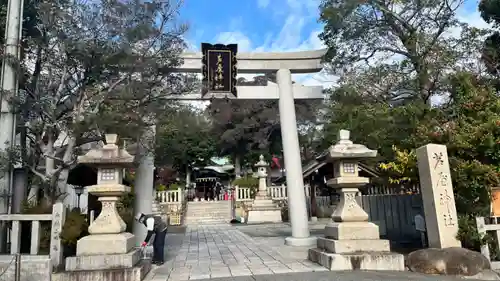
351, 242
265, 214
107, 234
105, 244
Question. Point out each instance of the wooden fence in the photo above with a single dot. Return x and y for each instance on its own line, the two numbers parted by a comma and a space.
278, 193
393, 208
395, 215
33, 266
490, 225
170, 196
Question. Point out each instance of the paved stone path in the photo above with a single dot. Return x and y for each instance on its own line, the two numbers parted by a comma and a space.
223, 251
253, 252
340, 276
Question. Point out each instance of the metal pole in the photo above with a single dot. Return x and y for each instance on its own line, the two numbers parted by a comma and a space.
9, 84
17, 273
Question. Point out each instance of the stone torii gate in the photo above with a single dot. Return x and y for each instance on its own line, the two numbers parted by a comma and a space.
284, 65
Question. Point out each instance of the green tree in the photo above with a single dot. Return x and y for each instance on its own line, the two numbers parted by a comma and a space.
97, 67
469, 127
184, 139
407, 41
254, 125
490, 12
376, 123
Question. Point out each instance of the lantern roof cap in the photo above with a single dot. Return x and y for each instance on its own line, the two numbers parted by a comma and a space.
108, 155
345, 148
262, 162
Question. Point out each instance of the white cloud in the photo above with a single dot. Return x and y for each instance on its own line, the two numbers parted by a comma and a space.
289, 39
306, 8
263, 3
290, 34
235, 37
473, 18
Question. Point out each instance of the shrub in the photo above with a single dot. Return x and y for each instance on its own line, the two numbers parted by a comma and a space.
284, 213
468, 234
161, 187
248, 182
126, 201
471, 239
74, 228
128, 217
173, 186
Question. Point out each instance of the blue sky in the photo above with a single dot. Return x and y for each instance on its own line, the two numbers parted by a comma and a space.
255, 24
269, 25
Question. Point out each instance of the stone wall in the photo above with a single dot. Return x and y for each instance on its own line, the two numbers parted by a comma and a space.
33, 268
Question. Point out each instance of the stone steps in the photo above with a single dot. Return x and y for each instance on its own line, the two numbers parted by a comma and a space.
207, 222
156, 208
213, 212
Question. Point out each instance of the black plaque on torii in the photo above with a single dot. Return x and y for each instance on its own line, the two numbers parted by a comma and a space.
219, 69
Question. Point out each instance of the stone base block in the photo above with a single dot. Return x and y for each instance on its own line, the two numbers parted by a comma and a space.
300, 242
352, 246
136, 273
263, 215
33, 268
263, 198
127, 260
352, 231
358, 261
263, 204
105, 244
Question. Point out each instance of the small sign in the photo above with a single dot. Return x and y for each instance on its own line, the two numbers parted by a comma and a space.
420, 223
219, 68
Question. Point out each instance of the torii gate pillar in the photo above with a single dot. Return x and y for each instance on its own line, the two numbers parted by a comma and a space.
294, 181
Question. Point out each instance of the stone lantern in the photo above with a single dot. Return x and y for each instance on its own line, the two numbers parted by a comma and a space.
107, 230
108, 248
262, 175
350, 236
263, 208
345, 156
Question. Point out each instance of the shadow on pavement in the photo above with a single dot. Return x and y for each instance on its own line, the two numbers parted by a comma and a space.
342, 276
176, 229
255, 232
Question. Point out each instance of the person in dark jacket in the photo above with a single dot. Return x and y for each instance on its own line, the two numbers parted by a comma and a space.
218, 189
155, 225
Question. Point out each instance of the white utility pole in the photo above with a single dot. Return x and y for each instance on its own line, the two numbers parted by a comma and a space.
9, 81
